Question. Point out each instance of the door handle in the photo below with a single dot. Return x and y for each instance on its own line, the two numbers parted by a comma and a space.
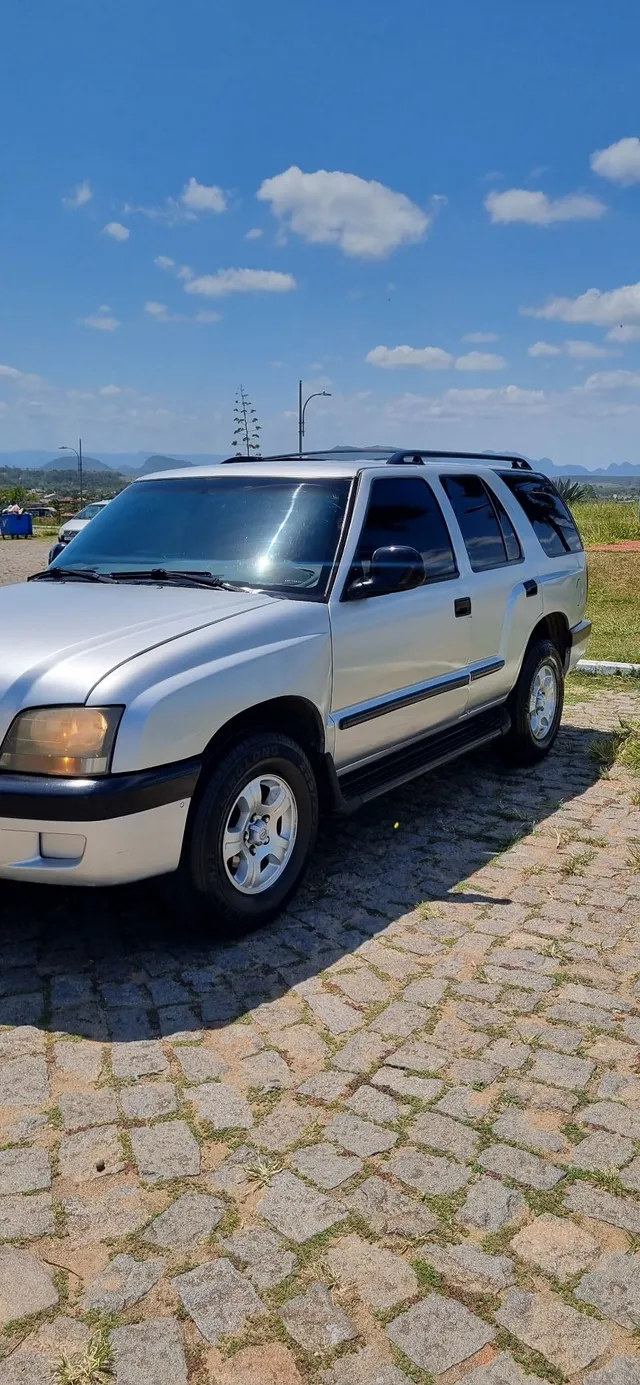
531, 587
462, 606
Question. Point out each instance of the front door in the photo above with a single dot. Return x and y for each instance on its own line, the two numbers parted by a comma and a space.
400, 660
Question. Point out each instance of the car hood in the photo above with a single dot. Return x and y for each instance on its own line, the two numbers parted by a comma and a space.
58, 640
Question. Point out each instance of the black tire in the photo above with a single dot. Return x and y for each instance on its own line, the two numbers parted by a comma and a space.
521, 745
219, 899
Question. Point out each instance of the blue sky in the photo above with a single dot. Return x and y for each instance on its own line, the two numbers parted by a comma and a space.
406, 204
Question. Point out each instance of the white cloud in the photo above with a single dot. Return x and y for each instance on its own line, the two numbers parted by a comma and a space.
613, 380
164, 262
480, 360
108, 390
116, 230
511, 395
102, 321
160, 312
82, 193
397, 357
366, 219
23, 379
616, 307
226, 281
544, 348
431, 358
619, 162
624, 334
480, 337
197, 197
254, 234
537, 209
181, 271
578, 350
206, 315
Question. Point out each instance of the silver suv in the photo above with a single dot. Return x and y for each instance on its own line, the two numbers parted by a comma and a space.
225, 651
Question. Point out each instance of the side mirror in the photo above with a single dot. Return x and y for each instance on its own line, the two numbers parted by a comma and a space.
394, 569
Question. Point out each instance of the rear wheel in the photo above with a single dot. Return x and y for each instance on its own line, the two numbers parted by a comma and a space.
253, 831
536, 704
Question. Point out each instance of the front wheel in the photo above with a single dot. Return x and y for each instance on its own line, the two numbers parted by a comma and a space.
536, 705
253, 831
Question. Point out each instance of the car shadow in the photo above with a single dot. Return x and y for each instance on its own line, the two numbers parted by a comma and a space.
125, 964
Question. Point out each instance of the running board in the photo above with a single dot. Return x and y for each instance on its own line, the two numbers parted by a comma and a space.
357, 786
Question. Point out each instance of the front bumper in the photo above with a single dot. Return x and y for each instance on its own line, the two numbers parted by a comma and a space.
106, 831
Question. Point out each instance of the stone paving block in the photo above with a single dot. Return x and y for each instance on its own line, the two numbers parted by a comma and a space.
200, 1064
381, 1278
438, 1333
427, 991
490, 1205
147, 1100
524, 959
440, 1132
561, 1070
118, 1213
91, 1154
187, 1222
122, 995
316, 1322
457, 1039
395, 1080
465, 1103
602, 1151
334, 1014
233, 1173
24, 1171
71, 990
399, 1020
606, 1207
284, 1127
630, 1177
518, 1127
24, 1082
555, 1245
470, 1070
35, 1362
305, 1050
542, 1098
389, 1212
180, 1024
522, 1167
590, 995
362, 986
26, 1218
165, 1151
267, 1070
83, 1058
297, 1211
141, 1059
325, 1165
82, 1109
26, 1285
467, 1267
508, 1053
613, 1287
166, 991
218, 1299
502, 1371
375, 1106
272, 1364
123, 1282
528, 980
419, 1055
621, 1370
365, 1367
325, 1086
555, 1036
22, 1009
569, 1340
428, 1173
262, 1255
18, 1042
222, 1107
359, 1136
611, 1115
584, 1016
150, 1353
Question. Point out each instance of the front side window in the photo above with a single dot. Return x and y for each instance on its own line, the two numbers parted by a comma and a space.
273, 533
546, 511
489, 536
404, 511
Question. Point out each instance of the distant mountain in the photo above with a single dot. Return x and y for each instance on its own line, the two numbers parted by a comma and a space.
65, 464
160, 463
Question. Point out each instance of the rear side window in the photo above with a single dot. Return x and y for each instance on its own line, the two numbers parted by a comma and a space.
546, 511
489, 536
404, 510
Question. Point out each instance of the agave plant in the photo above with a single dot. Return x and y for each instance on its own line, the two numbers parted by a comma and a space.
573, 492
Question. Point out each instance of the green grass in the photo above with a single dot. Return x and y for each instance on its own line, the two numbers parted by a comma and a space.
613, 606
607, 521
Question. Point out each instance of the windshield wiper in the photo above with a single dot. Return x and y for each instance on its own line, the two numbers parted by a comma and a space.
175, 577
70, 574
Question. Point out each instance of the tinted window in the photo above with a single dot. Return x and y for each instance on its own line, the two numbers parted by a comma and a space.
404, 510
546, 511
488, 533
267, 532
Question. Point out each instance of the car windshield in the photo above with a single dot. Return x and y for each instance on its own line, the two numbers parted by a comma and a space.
269, 532
89, 512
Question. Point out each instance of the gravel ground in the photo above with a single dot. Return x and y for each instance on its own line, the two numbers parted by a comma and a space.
19, 558
395, 1136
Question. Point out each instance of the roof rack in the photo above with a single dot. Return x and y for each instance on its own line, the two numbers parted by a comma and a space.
410, 457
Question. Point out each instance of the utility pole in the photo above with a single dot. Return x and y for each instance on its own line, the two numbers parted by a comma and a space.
80, 472
302, 408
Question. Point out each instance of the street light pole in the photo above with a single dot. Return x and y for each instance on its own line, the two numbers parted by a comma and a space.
318, 394
78, 453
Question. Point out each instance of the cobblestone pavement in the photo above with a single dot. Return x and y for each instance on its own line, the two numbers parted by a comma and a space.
395, 1136
19, 558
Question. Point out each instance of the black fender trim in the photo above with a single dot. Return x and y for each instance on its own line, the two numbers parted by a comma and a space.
55, 799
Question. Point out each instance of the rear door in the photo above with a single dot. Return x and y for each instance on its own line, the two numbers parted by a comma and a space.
501, 611
400, 660
560, 568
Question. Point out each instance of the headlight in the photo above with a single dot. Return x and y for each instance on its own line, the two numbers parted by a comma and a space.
61, 740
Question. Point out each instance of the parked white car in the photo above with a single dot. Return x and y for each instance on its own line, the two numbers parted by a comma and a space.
74, 526
226, 651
